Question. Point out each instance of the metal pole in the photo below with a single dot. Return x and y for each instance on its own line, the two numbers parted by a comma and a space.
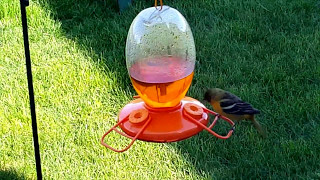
23, 4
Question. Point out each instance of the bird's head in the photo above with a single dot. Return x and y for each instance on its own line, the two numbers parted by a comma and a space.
213, 94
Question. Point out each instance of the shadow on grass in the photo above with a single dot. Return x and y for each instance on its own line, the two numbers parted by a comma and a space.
99, 28
10, 175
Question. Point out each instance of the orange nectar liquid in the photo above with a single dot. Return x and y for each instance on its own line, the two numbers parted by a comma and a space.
162, 82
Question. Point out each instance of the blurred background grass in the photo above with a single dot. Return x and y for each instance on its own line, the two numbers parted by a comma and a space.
266, 52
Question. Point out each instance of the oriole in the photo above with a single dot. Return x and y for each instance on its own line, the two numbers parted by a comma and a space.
232, 107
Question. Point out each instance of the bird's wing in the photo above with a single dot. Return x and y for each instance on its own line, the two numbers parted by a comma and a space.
231, 104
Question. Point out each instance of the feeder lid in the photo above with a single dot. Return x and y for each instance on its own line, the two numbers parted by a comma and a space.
157, 38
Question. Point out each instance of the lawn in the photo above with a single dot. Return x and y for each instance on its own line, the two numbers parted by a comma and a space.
267, 52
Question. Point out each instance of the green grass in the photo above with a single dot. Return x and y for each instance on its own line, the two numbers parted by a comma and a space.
267, 52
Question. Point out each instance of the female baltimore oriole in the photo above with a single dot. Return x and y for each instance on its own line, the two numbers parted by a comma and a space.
232, 107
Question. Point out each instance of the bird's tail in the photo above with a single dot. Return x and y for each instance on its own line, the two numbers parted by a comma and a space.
257, 125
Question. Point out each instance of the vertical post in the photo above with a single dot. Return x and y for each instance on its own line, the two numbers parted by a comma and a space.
23, 4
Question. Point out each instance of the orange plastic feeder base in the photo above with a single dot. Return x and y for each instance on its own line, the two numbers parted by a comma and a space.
139, 121
166, 124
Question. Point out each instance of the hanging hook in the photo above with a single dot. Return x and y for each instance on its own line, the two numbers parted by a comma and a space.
156, 4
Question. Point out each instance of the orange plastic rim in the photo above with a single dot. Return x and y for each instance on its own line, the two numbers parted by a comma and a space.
167, 124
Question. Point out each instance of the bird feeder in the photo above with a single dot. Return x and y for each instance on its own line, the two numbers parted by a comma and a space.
160, 58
